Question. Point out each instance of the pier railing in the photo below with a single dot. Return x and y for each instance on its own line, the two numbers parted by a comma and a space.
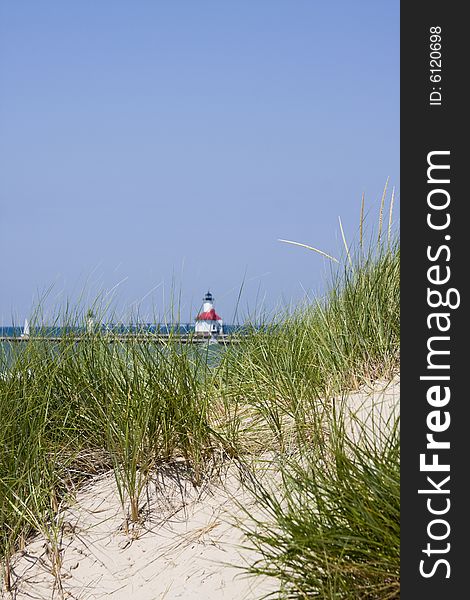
155, 338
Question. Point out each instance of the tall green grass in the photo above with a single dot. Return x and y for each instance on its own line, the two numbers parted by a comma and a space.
331, 528
348, 338
76, 408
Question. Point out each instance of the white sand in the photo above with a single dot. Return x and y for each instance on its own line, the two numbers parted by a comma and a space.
184, 549
187, 547
372, 410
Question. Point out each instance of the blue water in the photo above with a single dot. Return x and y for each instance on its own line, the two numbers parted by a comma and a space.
9, 352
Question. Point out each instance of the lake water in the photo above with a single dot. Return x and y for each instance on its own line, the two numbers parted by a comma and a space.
8, 350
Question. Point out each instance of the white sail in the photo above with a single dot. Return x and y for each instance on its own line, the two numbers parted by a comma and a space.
25, 329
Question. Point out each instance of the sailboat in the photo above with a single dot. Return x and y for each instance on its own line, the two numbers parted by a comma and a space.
25, 333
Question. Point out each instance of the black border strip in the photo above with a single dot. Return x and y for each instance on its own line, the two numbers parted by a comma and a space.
429, 200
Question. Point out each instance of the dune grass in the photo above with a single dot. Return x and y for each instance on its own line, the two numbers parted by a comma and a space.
77, 408
74, 409
330, 521
328, 524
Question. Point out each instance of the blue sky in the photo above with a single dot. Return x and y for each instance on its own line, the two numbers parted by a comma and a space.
171, 143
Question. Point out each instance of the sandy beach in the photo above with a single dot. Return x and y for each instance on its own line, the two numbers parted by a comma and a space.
187, 544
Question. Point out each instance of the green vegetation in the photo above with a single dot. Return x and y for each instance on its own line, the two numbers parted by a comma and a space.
331, 527
77, 408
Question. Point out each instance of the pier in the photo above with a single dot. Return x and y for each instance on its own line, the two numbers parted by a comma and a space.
154, 338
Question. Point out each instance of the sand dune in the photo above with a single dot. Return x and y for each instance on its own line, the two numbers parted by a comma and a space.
187, 545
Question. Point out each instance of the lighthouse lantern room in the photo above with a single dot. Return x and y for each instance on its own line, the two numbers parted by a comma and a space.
208, 321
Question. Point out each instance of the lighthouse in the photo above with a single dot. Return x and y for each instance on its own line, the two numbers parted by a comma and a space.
208, 321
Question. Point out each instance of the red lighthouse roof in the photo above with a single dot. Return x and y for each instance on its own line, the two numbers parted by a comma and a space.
209, 315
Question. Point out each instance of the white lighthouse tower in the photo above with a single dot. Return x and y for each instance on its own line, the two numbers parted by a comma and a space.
208, 321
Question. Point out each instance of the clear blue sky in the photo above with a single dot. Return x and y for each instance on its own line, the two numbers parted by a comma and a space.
159, 141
